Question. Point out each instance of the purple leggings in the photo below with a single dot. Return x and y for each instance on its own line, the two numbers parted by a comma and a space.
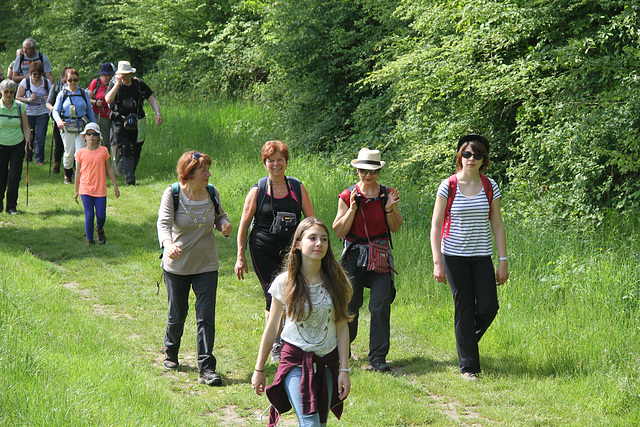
100, 205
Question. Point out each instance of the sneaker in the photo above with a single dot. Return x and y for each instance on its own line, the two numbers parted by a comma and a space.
101, 238
67, 180
171, 365
209, 378
276, 348
469, 376
91, 242
380, 365
12, 211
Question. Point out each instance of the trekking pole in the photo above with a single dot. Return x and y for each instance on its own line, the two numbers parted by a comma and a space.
27, 160
51, 153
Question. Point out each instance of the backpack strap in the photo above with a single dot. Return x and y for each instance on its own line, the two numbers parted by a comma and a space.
175, 191
451, 194
383, 202
293, 184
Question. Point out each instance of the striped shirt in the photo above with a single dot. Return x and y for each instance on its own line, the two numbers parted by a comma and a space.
470, 232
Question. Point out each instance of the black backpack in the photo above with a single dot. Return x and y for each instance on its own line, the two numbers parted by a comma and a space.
175, 190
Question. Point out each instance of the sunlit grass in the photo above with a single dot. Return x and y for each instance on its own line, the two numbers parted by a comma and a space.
81, 328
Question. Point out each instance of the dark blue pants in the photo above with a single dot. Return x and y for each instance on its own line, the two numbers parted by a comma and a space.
99, 204
382, 294
39, 125
11, 157
204, 286
475, 296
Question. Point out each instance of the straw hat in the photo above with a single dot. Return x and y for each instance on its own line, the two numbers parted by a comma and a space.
124, 67
368, 159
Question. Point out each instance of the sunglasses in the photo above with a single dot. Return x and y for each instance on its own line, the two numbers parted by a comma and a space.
368, 172
196, 155
91, 134
8, 91
476, 156
73, 80
36, 74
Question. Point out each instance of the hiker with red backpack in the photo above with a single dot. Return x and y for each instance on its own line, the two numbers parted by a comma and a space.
97, 90
466, 212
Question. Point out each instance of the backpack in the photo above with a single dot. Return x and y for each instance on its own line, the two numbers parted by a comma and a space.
21, 60
138, 101
18, 104
175, 190
46, 84
262, 190
82, 93
385, 195
451, 194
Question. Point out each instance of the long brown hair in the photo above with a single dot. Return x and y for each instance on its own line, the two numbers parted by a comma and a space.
296, 296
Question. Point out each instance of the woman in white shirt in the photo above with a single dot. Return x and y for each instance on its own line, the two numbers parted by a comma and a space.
466, 211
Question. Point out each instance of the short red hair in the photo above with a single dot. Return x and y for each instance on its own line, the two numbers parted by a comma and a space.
189, 162
271, 147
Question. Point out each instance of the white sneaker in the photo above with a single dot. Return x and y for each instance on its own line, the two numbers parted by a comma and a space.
470, 376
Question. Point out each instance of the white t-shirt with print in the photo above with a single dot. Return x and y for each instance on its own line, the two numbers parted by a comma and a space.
318, 332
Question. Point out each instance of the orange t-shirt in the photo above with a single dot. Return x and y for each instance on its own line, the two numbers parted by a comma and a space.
93, 170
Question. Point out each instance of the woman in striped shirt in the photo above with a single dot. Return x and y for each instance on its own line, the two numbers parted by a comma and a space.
466, 211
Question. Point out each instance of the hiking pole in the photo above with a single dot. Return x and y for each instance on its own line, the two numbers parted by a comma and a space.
27, 160
51, 153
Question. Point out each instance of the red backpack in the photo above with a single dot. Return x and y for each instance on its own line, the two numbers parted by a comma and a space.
451, 194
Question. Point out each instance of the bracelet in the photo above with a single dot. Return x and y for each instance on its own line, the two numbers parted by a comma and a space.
389, 211
503, 258
259, 370
158, 114
345, 370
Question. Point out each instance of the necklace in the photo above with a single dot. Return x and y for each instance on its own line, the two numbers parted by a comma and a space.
280, 192
198, 220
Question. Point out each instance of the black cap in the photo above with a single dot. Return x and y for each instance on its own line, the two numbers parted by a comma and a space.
473, 137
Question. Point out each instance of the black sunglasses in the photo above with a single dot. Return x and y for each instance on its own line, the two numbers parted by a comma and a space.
91, 134
368, 172
468, 154
196, 155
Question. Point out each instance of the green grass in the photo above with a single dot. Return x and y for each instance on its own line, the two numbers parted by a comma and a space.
81, 329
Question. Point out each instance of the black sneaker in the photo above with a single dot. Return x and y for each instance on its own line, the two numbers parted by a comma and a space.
12, 211
380, 365
171, 365
209, 378
101, 238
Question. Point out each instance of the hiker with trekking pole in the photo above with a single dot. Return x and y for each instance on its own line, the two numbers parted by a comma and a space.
15, 137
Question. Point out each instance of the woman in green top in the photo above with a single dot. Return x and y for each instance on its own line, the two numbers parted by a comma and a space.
14, 140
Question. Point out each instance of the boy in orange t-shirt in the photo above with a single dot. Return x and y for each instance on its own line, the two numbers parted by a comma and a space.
92, 165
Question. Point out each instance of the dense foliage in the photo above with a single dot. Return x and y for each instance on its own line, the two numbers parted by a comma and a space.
552, 83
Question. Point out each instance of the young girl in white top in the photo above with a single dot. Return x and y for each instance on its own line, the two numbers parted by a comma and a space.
462, 249
312, 294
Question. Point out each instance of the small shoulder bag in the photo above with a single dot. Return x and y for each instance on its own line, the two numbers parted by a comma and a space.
378, 260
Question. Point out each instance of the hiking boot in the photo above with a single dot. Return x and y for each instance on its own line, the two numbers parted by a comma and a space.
276, 348
380, 365
469, 376
101, 238
56, 167
91, 242
68, 176
171, 365
210, 378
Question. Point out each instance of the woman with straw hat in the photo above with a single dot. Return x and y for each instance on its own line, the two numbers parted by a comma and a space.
367, 215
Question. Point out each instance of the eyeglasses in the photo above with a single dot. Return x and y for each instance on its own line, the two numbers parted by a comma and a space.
36, 74
9, 91
72, 80
91, 134
476, 156
196, 155
368, 172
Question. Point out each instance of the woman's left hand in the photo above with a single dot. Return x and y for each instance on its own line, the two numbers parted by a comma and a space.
392, 199
502, 274
226, 229
344, 385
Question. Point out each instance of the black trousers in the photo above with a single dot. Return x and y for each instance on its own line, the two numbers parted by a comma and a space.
475, 296
382, 293
128, 147
11, 157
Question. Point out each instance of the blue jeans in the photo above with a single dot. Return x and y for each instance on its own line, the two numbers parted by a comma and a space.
292, 387
204, 286
39, 125
100, 205
475, 296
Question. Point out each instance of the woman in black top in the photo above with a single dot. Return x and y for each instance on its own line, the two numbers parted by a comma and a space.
266, 206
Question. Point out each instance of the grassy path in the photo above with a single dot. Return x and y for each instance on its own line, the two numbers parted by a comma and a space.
81, 328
